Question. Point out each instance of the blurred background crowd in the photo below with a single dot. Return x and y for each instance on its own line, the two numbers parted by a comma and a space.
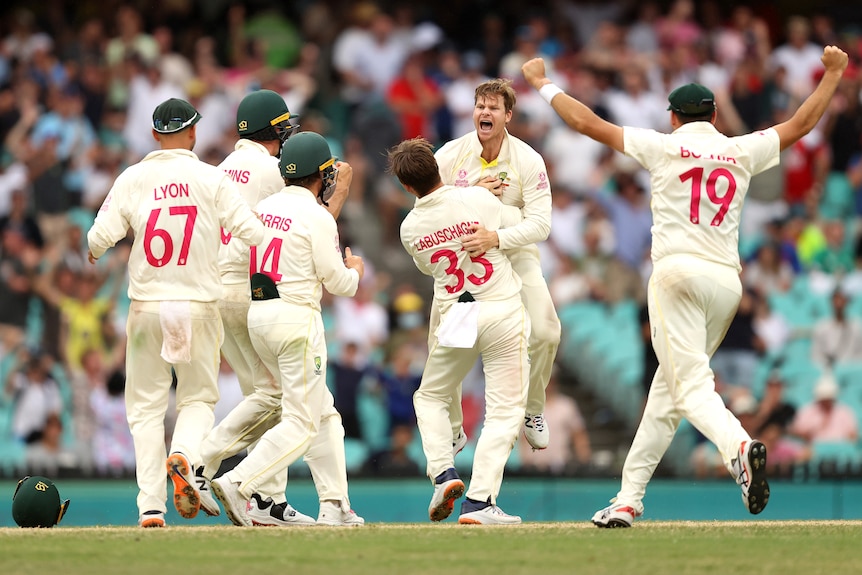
79, 80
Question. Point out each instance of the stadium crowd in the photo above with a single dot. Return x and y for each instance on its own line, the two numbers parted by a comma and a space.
79, 81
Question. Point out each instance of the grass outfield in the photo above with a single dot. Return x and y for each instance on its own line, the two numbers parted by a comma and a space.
751, 547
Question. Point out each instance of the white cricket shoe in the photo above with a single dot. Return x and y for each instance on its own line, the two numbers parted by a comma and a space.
459, 443
267, 513
235, 505
536, 431
208, 503
447, 488
152, 518
616, 515
490, 515
333, 515
187, 498
749, 469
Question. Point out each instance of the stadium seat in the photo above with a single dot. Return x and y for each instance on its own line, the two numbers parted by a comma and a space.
373, 420
355, 454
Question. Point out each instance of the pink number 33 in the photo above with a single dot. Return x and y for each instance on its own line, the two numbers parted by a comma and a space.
696, 177
453, 270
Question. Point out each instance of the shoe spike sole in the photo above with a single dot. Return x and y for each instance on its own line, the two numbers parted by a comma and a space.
446, 507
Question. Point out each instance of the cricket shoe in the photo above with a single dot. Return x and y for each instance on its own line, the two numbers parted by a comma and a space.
447, 488
235, 505
187, 498
333, 515
749, 467
208, 502
151, 519
616, 515
459, 443
536, 431
267, 513
485, 513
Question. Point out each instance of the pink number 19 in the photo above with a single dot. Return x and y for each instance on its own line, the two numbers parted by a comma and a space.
696, 177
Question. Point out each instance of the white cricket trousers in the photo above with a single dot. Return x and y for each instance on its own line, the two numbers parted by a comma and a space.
261, 406
545, 331
504, 331
148, 383
691, 304
290, 341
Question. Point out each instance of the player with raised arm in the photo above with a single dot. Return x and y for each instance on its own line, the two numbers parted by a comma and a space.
699, 181
492, 158
263, 124
481, 313
176, 206
299, 256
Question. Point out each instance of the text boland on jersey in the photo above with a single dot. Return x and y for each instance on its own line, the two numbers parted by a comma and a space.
432, 232
699, 178
256, 174
528, 188
300, 250
176, 206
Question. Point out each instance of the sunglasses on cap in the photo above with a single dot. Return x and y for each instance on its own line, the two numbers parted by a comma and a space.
172, 125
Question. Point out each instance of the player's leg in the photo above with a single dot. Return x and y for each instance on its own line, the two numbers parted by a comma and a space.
456, 413
544, 341
503, 339
148, 383
326, 460
299, 350
260, 409
197, 394
444, 370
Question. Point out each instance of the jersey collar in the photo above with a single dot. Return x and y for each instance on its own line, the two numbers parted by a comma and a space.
476, 148
697, 128
246, 144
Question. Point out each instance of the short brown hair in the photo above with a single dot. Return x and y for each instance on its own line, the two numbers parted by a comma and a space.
497, 87
414, 164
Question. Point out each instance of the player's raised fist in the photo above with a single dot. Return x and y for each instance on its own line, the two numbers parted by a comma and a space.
354, 262
834, 59
534, 72
345, 173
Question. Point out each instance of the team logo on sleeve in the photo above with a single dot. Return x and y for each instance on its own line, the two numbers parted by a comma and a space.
317, 364
106, 203
543, 181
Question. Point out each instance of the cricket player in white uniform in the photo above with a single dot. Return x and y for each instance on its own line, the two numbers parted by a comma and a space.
481, 313
492, 158
263, 124
699, 181
299, 255
176, 205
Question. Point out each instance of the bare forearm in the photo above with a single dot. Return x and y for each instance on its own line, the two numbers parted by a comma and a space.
810, 112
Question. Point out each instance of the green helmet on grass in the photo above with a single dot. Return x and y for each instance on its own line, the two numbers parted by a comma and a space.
308, 153
263, 115
36, 503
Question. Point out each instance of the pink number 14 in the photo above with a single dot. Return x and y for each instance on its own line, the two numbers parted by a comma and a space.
696, 177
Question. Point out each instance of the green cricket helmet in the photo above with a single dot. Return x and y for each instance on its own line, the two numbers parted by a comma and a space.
263, 115
36, 503
305, 154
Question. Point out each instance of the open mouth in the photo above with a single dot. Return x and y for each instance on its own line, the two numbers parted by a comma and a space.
485, 125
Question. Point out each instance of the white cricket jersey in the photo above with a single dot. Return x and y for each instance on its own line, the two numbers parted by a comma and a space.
256, 173
300, 251
528, 188
432, 231
176, 206
699, 179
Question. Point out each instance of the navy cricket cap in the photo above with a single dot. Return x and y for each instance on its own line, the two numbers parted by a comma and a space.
174, 115
692, 100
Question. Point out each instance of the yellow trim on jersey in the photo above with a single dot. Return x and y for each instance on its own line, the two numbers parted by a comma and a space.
486, 165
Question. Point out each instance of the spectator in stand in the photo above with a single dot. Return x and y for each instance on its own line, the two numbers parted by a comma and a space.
628, 209
736, 358
768, 273
399, 382
113, 448
837, 339
569, 449
362, 320
825, 418
48, 456
347, 376
799, 57
835, 257
18, 263
414, 97
130, 39
634, 104
395, 461
459, 93
36, 396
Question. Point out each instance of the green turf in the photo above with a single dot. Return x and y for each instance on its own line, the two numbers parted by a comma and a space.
750, 548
